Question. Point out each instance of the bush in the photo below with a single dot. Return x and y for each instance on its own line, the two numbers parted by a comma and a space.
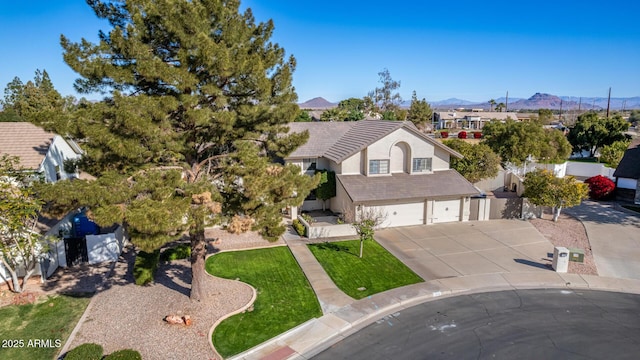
145, 267
462, 135
126, 354
600, 187
88, 351
298, 227
477, 135
182, 251
444, 134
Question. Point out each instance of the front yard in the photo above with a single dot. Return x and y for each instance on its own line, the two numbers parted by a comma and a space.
375, 272
285, 297
38, 331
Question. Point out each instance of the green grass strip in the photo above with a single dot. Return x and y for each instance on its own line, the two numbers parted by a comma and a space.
38, 331
375, 272
285, 297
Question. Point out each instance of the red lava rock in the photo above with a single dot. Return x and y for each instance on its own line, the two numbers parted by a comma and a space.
173, 319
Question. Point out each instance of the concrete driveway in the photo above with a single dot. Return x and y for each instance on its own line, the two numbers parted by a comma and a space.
469, 248
614, 236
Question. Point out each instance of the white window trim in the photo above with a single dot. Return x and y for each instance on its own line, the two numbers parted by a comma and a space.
379, 162
428, 170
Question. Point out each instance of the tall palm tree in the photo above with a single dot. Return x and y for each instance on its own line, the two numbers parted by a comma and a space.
492, 103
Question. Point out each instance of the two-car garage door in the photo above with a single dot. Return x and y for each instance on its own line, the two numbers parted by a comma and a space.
402, 214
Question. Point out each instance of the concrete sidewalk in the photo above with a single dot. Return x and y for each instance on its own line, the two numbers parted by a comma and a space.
454, 259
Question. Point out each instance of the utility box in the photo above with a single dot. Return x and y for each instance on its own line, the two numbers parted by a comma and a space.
560, 259
576, 255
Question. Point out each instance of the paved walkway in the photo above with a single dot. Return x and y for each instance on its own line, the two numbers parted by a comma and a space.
458, 258
614, 236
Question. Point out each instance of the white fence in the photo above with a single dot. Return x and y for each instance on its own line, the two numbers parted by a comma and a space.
105, 247
587, 170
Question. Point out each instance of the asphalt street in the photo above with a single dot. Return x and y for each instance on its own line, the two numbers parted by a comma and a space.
516, 324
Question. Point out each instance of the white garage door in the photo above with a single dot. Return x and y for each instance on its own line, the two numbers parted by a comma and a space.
403, 214
446, 211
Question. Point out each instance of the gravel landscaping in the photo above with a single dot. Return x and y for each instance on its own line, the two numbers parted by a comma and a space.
129, 316
570, 233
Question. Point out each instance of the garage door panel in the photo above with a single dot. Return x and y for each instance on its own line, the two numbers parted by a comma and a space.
402, 214
446, 211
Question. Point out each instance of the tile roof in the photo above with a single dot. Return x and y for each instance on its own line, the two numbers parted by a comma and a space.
322, 135
362, 189
26, 141
363, 134
339, 140
629, 166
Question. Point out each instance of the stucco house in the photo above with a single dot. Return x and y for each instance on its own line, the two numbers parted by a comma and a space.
38, 150
627, 173
389, 166
473, 120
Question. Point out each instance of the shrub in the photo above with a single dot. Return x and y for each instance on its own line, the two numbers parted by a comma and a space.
444, 134
462, 135
477, 135
600, 187
298, 227
307, 218
88, 351
182, 251
145, 266
126, 354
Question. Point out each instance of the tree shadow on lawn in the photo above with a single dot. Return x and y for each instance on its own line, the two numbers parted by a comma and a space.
335, 247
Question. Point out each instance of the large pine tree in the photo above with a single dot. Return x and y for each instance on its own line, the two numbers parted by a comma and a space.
192, 126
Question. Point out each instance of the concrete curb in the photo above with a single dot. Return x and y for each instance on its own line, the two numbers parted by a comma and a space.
302, 341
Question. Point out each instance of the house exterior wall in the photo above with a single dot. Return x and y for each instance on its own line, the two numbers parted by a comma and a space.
341, 203
351, 165
440, 160
626, 183
58, 152
388, 148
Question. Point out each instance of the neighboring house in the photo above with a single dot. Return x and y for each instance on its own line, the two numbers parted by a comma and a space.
38, 150
627, 173
469, 119
387, 165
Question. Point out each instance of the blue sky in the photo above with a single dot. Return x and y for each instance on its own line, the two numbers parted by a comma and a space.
465, 49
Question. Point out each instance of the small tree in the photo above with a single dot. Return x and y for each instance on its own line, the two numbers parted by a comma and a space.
543, 188
20, 246
600, 187
420, 112
612, 154
479, 161
366, 221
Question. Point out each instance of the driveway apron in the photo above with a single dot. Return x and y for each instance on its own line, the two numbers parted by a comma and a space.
614, 236
468, 248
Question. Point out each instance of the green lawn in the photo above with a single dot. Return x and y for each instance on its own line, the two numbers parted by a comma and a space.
285, 297
376, 271
38, 331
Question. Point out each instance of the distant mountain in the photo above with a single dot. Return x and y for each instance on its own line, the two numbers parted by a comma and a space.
537, 101
601, 102
543, 101
451, 101
317, 103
